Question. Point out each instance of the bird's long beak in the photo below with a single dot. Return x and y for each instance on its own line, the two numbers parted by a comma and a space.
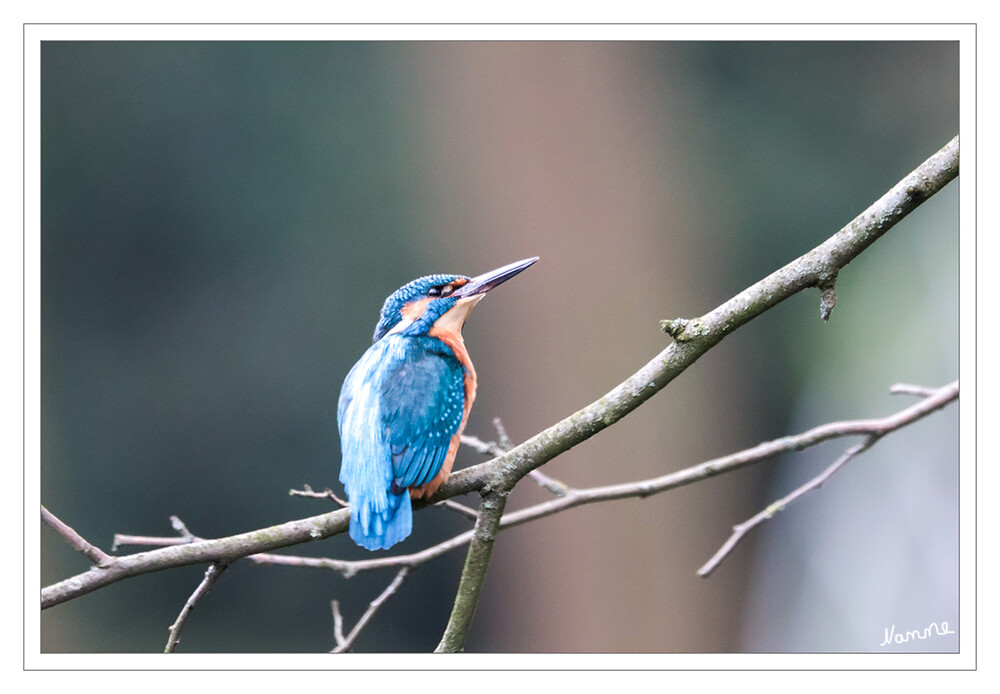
485, 282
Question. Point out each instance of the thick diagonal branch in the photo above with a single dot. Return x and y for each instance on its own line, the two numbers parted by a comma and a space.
817, 268
568, 497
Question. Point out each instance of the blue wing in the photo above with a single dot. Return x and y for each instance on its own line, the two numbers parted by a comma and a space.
423, 398
399, 408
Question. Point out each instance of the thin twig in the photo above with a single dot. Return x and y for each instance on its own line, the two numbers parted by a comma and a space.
817, 435
908, 389
122, 540
327, 493
934, 398
76, 540
211, 576
746, 526
503, 441
338, 622
459, 508
348, 569
182, 530
184, 537
344, 643
551, 484
495, 448
490, 448
344, 567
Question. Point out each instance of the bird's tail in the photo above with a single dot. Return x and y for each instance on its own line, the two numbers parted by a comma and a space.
379, 524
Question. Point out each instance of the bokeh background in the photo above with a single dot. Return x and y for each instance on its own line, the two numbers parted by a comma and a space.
221, 222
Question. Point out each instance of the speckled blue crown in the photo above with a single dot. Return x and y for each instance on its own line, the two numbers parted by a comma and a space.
408, 293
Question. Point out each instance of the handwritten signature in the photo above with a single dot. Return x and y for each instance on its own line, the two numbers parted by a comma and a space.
932, 629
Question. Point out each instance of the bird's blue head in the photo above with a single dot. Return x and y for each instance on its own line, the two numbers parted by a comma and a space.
431, 296
414, 308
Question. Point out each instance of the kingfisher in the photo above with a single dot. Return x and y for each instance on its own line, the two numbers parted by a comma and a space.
404, 405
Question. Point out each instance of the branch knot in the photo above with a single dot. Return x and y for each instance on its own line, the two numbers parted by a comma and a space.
683, 329
827, 296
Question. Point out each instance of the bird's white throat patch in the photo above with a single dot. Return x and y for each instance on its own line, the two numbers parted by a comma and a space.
454, 318
451, 321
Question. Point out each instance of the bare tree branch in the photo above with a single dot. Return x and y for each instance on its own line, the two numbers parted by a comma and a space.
226, 550
503, 441
875, 430
692, 338
338, 630
123, 540
76, 541
497, 448
572, 497
211, 576
490, 448
348, 569
553, 485
743, 528
338, 623
493, 480
908, 389
327, 493
477, 562
458, 508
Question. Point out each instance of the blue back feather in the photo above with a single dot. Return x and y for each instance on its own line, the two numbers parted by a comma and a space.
399, 408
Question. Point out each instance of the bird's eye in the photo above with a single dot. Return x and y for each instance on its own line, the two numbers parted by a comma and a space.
441, 291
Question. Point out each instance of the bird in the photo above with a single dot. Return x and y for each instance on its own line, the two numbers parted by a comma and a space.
405, 403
